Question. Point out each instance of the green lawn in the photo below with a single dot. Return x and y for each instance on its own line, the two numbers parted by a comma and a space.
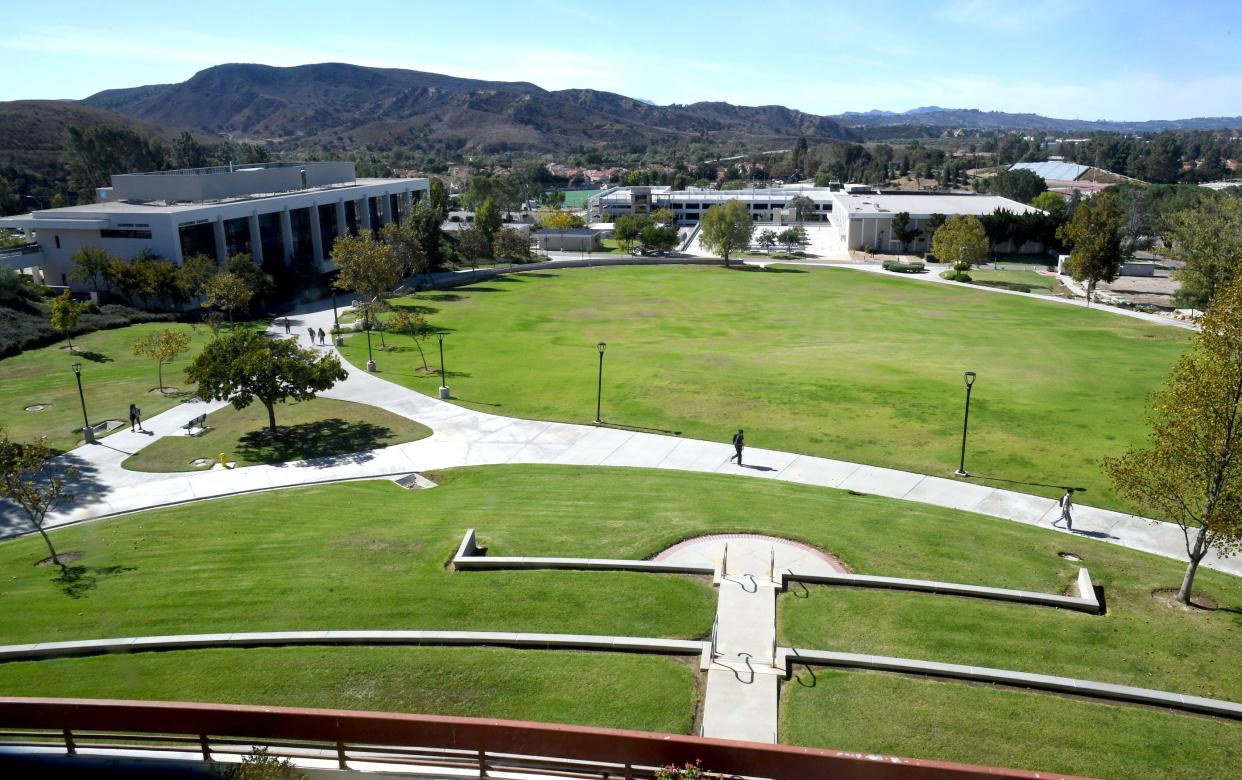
1022, 281
951, 721
310, 429
818, 360
590, 689
112, 379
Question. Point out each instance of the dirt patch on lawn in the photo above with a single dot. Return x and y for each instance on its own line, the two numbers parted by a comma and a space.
69, 556
1198, 601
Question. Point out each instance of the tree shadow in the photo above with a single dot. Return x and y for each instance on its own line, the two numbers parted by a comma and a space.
440, 297
82, 488
333, 439
77, 581
94, 357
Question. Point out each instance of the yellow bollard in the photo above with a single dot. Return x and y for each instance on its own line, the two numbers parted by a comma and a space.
224, 461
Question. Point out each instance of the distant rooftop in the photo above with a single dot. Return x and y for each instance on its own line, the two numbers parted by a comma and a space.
920, 206
198, 185
1053, 170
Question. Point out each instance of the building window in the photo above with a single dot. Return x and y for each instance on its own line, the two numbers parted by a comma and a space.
132, 233
57, 239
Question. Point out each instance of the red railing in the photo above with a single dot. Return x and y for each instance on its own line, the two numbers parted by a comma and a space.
484, 745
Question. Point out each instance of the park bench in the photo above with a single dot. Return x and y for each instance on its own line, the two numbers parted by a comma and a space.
198, 422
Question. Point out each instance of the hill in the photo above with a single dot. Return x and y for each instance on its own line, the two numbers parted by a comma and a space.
974, 119
336, 106
32, 132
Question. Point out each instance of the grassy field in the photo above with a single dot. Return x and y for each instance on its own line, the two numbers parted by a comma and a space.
1023, 281
112, 379
951, 721
311, 429
590, 689
820, 361
373, 555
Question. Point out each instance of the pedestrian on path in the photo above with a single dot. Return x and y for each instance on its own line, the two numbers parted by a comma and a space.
1067, 506
286, 326
322, 337
738, 444
311, 333
135, 417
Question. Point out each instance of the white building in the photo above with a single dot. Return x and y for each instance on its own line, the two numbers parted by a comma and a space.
285, 212
860, 216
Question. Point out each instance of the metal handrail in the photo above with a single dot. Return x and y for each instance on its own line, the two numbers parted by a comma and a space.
724, 565
715, 629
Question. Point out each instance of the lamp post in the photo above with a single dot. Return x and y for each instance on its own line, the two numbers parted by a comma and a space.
599, 388
969, 376
88, 435
444, 390
336, 323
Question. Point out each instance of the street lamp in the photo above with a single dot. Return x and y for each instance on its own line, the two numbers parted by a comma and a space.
444, 390
599, 388
88, 434
969, 376
336, 324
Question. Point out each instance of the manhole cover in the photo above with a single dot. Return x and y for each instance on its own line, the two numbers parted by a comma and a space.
199, 463
1069, 556
38, 407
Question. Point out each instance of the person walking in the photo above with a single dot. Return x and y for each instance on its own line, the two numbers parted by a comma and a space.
322, 337
1067, 506
311, 332
739, 442
135, 417
286, 326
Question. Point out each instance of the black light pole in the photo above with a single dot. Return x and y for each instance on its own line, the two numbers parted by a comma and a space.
599, 389
970, 380
87, 433
444, 390
335, 321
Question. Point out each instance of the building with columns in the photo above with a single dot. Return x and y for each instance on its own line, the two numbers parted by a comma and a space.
281, 212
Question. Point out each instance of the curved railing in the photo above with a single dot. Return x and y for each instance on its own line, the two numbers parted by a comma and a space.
215, 731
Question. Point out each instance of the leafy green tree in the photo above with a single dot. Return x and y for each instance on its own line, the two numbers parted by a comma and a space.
1094, 236
28, 479
1208, 240
228, 293
473, 244
162, 347
487, 219
187, 152
726, 228
1191, 469
664, 217
90, 266
962, 241
246, 366
438, 197
414, 325
197, 271
1020, 185
628, 228
1053, 203
65, 314
243, 266
511, 244
368, 266
657, 238
793, 237
767, 240
804, 208
903, 230
94, 154
560, 220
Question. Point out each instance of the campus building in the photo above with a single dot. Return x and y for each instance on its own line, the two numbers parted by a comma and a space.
859, 215
287, 212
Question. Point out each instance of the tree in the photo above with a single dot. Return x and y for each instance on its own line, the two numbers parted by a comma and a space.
26, 479
560, 220
187, 152
414, 325
511, 244
472, 243
227, 293
1208, 239
767, 240
664, 217
90, 266
793, 237
243, 266
1020, 185
726, 228
657, 238
65, 314
197, 271
628, 228
438, 197
1054, 203
487, 218
368, 266
903, 231
162, 347
246, 366
962, 241
804, 207
1094, 235
1191, 469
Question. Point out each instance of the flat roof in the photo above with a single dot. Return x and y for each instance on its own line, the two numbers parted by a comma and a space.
567, 232
922, 206
1055, 169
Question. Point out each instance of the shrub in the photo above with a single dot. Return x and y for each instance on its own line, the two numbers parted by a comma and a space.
21, 330
956, 276
897, 266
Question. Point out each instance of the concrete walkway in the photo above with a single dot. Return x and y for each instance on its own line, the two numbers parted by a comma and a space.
463, 437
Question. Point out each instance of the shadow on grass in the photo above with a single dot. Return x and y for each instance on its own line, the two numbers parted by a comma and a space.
334, 440
625, 427
77, 581
94, 357
439, 297
770, 269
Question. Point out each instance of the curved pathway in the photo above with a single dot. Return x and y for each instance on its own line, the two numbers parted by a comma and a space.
464, 437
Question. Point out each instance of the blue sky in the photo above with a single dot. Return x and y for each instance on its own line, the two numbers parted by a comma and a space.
1087, 59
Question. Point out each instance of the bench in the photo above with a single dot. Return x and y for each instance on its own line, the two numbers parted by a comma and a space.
197, 422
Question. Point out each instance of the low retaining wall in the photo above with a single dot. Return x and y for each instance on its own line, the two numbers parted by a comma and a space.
466, 559
787, 657
458, 278
1085, 602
